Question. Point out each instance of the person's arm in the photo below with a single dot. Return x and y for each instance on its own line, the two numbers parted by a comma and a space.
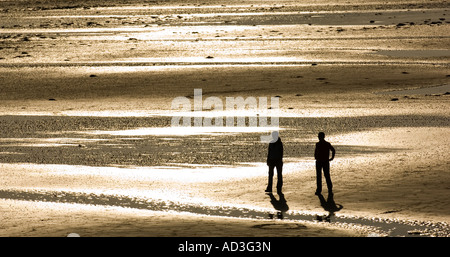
315, 152
332, 152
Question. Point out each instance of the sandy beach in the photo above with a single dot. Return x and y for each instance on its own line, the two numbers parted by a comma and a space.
87, 146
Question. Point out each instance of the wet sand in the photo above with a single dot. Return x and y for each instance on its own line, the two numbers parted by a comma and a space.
86, 92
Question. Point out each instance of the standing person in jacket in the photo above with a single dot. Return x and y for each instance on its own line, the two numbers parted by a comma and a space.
275, 160
322, 156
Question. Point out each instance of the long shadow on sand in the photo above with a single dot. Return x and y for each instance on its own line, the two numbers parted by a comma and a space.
280, 205
330, 206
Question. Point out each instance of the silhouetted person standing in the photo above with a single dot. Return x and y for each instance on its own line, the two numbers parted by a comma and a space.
275, 160
322, 156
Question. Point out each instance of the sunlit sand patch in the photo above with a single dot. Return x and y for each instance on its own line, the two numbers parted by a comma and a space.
225, 60
148, 33
42, 144
154, 194
11, 153
181, 131
408, 137
78, 30
46, 142
137, 175
117, 68
113, 113
169, 7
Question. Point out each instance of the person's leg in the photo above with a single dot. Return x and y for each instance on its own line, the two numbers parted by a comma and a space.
269, 183
326, 173
318, 177
279, 176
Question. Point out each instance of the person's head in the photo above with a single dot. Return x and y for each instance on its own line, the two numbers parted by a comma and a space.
275, 136
321, 136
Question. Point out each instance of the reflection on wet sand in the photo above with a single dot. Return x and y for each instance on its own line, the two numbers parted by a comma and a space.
330, 206
280, 205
